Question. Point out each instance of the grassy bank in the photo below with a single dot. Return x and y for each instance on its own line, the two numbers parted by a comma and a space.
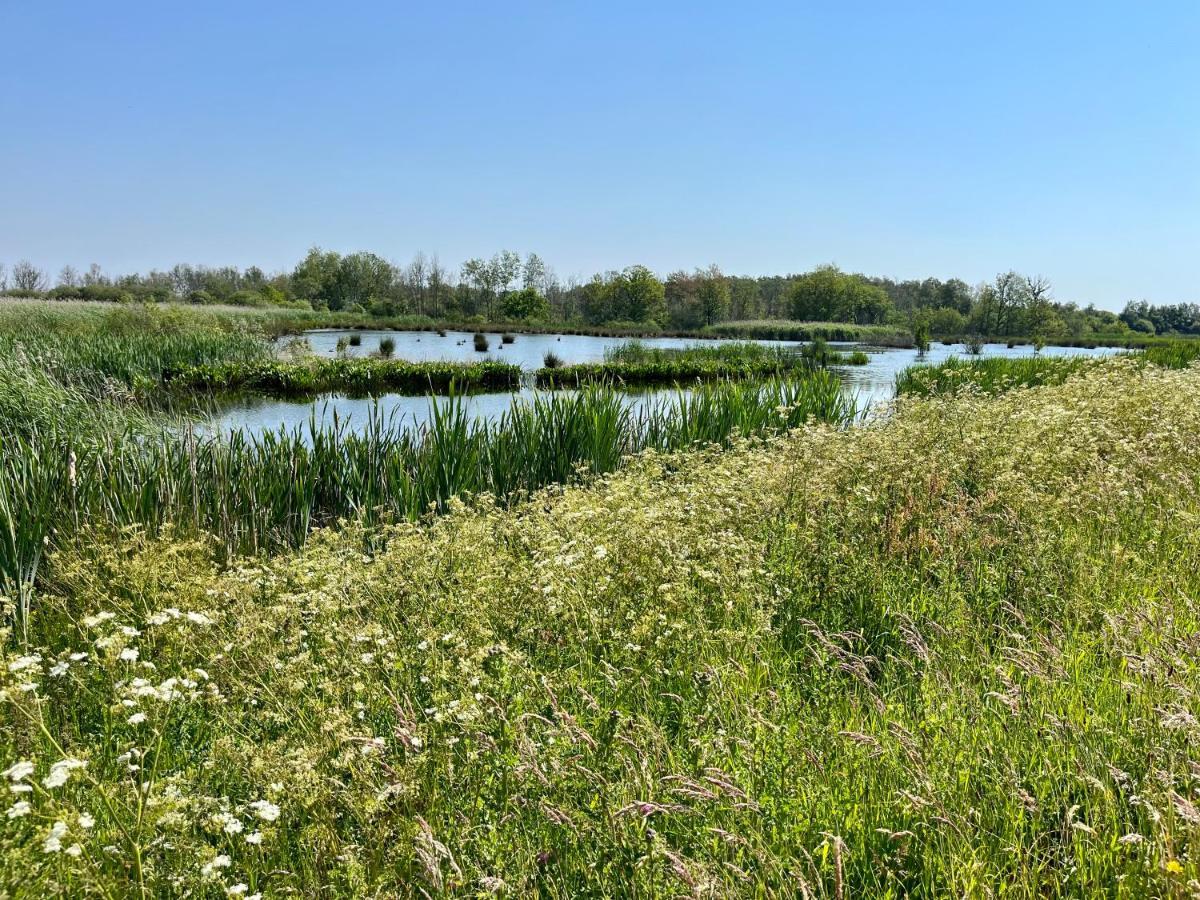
267, 492
922, 659
360, 377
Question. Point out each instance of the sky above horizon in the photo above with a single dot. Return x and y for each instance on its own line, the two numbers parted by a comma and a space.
946, 139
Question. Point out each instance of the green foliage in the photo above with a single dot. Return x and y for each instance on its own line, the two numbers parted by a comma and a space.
827, 294
782, 330
355, 376
992, 375
633, 295
526, 303
1173, 354
948, 655
921, 333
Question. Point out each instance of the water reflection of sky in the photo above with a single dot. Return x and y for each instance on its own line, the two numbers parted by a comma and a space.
872, 384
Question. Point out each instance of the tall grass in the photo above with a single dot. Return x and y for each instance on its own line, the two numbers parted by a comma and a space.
266, 492
952, 655
103, 348
1173, 354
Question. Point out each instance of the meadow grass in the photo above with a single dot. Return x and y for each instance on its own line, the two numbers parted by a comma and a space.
927, 657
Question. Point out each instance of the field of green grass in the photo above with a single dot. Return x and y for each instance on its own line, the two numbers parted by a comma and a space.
721, 646
929, 657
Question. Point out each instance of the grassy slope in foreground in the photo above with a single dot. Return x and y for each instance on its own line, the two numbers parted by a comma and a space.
932, 657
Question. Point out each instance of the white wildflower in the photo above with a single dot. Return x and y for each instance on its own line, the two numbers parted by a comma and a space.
137, 718
21, 663
74, 850
18, 771
265, 810
61, 771
18, 809
53, 842
600, 552
59, 669
211, 867
254, 837
86, 821
129, 654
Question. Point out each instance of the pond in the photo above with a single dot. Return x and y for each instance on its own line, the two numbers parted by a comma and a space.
872, 384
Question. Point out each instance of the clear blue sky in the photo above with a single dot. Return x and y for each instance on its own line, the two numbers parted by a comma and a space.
947, 139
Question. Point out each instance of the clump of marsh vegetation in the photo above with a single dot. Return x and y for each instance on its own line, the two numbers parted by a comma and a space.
355, 340
974, 345
387, 347
954, 658
552, 360
481, 342
343, 343
1173, 354
990, 376
921, 337
507, 338
354, 376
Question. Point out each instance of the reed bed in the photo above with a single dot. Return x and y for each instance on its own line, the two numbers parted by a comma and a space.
1173, 355
356, 376
924, 658
103, 348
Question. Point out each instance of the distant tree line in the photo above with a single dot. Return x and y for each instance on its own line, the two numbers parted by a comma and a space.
511, 287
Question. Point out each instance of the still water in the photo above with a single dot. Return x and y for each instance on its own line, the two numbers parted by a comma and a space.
872, 384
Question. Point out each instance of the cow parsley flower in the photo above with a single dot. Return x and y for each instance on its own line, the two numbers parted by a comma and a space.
18, 771
18, 809
210, 868
53, 842
61, 771
265, 810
